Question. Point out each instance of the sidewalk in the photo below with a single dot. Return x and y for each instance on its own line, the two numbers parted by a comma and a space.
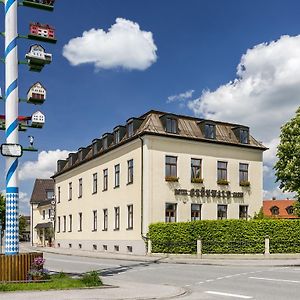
123, 291
206, 259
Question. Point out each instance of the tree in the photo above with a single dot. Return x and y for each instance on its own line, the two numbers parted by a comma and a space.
288, 152
296, 207
22, 225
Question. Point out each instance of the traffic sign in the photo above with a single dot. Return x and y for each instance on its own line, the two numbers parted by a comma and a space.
12, 150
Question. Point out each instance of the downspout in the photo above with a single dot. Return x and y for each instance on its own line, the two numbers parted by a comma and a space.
142, 186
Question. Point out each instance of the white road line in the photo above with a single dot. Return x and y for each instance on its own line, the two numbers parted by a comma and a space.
273, 279
209, 280
228, 295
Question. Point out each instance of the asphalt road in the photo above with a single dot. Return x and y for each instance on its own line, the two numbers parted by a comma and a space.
201, 281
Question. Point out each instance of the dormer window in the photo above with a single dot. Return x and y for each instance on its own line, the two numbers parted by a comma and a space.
130, 129
117, 136
210, 131
171, 125
105, 143
244, 135
274, 210
290, 210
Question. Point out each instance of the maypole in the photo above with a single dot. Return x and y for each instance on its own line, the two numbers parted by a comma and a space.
12, 126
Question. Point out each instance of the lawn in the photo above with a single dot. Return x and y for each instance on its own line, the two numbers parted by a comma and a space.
59, 281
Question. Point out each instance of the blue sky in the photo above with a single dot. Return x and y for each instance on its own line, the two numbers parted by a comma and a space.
195, 46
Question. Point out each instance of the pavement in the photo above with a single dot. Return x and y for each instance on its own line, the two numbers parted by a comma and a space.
119, 291
270, 260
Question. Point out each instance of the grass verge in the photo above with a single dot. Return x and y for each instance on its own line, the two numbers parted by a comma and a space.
59, 281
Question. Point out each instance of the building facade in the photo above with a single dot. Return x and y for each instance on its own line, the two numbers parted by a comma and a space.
42, 213
159, 167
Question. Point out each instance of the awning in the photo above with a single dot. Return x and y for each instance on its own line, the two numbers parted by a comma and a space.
43, 225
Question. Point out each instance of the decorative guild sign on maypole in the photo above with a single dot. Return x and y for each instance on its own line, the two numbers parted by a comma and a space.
37, 58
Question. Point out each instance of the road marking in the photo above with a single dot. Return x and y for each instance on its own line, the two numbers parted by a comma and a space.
209, 280
273, 279
229, 295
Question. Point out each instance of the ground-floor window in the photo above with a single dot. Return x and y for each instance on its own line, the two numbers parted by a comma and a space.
130, 217
222, 212
195, 212
171, 212
243, 212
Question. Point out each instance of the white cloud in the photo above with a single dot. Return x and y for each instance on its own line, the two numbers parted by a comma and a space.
278, 194
124, 45
264, 96
181, 97
45, 165
266, 92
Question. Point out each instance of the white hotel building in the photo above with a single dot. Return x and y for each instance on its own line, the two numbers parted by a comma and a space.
159, 167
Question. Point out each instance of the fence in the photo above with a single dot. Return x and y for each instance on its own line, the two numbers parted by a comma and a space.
16, 267
199, 247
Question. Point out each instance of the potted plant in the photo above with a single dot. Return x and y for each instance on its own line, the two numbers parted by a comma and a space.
171, 178
245, 183
197, 180
37, 271
223, 182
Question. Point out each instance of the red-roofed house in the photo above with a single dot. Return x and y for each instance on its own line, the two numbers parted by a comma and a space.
281, 209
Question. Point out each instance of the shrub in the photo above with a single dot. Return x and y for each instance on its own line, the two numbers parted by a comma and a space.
226, 236
91, 279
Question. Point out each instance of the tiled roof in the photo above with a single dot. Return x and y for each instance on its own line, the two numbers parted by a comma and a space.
39, 193
282, 206
188, 128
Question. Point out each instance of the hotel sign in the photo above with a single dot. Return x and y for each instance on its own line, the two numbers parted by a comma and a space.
208, 193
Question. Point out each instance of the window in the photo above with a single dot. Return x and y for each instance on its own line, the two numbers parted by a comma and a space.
130, 129
70, 191
274, 210
244, 136
222, 212
58, 194
94, 220
210, 131
171, 166
243, 212
195, 212
70, 223
222, 170
195, 168
95, 183
130, 171
105, 219
290, 210
79, 187
171, 125
243, 173
117, 136
65, 224
80, 221
50, 194
58, 224
117, 218
117, 175
49, 213
44, 214
171, 212
129, 216
105, 143
105, 179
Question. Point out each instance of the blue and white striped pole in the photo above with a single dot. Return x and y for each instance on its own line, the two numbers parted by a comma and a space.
11, 125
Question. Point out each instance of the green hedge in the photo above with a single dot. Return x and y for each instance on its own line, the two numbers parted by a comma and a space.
226, 236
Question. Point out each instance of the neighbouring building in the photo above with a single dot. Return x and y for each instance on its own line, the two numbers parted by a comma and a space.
42, 213
280, 209
159, 167
25, 236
